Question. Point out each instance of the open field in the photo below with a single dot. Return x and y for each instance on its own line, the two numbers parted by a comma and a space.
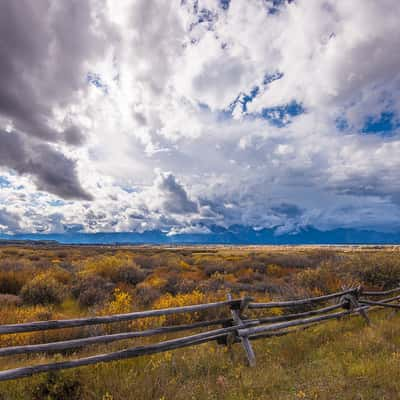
344, 360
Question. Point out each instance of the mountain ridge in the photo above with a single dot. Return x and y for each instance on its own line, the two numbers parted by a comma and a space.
234, 235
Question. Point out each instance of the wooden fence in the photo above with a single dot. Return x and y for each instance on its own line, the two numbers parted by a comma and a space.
236, 328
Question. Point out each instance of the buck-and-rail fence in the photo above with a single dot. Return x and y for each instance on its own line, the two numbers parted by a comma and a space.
235, 329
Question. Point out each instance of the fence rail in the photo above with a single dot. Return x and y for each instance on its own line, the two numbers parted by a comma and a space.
237, 328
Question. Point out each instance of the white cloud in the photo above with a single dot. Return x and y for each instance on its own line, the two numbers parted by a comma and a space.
139, 88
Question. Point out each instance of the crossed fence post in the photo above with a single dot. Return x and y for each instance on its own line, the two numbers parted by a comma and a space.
237, 315
350, 302
238, 328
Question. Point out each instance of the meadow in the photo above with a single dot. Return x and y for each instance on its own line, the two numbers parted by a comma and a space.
341, 359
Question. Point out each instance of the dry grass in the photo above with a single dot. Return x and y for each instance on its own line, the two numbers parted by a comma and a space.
337, 360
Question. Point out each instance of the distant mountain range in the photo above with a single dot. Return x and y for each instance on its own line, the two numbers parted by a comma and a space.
234, 235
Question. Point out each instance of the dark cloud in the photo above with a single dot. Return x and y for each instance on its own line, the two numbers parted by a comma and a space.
73, 136
175, 198
44, 46
379, 183
288, 210
140, 118
52, 171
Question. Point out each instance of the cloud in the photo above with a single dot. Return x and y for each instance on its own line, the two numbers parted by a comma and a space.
9, 222
191, 230
256, 109
170, 196
43, 52
289, 210
73, 136
52, 171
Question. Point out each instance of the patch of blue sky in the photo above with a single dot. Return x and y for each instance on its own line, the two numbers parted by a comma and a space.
95, 80
279, 116
224, 4
270, 77
241, 101
282, 115
56, 203
4, 182
342, 124
274, 6
245, 98
204, 16
386, 124
128, 189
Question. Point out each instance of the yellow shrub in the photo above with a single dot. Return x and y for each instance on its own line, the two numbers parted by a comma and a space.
167, 300
184, 299
116, 268
60, 274
155, 281
43, 289
275, 270
120, 304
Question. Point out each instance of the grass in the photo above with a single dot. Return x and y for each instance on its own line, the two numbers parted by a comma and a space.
336, 360
342, 359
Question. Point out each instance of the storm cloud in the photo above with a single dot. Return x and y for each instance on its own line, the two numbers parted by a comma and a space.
175, 200
52, 171
44, 47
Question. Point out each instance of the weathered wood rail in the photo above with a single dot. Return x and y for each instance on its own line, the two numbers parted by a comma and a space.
237, 328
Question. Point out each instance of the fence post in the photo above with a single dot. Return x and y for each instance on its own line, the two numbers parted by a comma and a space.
350, 302
237, 319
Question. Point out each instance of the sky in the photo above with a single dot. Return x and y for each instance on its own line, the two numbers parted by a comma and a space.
179, 115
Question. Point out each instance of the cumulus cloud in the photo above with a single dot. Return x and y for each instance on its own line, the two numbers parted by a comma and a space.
258, 110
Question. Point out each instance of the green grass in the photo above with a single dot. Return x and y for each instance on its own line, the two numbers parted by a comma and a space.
338, 360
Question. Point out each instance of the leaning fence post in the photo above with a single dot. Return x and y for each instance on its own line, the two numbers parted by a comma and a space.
361, 310
237, 319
